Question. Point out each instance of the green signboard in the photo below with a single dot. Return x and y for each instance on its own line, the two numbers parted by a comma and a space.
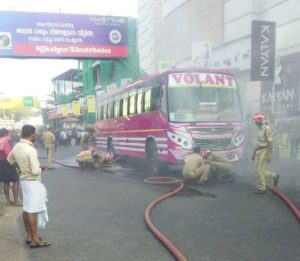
28, 101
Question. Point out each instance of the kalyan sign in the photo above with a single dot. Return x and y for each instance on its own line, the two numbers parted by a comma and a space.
263, 51
212, 80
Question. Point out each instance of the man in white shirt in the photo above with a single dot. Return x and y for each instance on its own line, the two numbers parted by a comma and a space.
24, 156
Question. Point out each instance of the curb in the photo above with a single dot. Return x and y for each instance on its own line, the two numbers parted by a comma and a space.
287, 201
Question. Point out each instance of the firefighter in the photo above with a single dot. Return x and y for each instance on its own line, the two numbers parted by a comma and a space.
49, 139
262, 154
88, 139
91, 159
195, 167
221, 167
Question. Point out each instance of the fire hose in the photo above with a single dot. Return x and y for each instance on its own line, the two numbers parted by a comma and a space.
73, 166
287, 201
147, 215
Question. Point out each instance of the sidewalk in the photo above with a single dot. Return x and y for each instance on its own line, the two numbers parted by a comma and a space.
11, 241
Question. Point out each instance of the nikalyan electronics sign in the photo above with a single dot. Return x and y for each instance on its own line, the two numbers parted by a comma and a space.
62, 35
263, 50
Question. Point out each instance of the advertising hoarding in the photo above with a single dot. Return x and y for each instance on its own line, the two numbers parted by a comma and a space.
76, 108
91, 103
64, 110
53, 35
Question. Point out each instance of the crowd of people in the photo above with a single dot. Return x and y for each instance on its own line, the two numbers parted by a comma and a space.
63, 137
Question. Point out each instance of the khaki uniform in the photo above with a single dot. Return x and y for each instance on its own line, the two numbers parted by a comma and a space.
86, 156
263, 136
49, 139
195, 168
219, 164
87, 140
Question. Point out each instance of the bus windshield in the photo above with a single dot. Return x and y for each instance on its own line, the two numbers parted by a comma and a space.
203, 97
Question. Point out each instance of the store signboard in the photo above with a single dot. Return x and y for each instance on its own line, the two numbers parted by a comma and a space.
11, 103
263, 50
282, 97
24, 34
165, 65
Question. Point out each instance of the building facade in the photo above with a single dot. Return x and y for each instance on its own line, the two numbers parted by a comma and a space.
219, 32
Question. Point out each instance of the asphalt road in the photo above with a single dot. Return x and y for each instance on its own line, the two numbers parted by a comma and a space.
99, 216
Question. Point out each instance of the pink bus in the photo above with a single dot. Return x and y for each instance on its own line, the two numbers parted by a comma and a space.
161, 118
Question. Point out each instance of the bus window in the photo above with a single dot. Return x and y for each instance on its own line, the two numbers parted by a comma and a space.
155, 99
101, 112
125, 107
147, 102
121, 107
109, 110
116, 109
105, 112
132, 104
98, 113
139, 102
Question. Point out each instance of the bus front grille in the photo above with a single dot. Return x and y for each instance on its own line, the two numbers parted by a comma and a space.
212, 130
213, 144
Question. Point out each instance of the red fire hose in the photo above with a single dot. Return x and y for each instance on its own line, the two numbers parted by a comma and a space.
160, 236
287, 201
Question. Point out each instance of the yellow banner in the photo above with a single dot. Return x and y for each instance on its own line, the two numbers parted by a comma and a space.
12, 103
64, 110
76, 108
91, 103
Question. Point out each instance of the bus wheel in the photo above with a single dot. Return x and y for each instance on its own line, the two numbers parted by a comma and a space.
110, 149
153, 164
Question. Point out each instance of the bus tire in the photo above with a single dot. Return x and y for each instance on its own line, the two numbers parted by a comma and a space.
152, 163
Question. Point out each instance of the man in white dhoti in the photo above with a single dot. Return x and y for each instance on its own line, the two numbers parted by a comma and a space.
24, 156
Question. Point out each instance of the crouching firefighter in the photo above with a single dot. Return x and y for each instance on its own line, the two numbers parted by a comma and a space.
220, 166
91, 159
196, 168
